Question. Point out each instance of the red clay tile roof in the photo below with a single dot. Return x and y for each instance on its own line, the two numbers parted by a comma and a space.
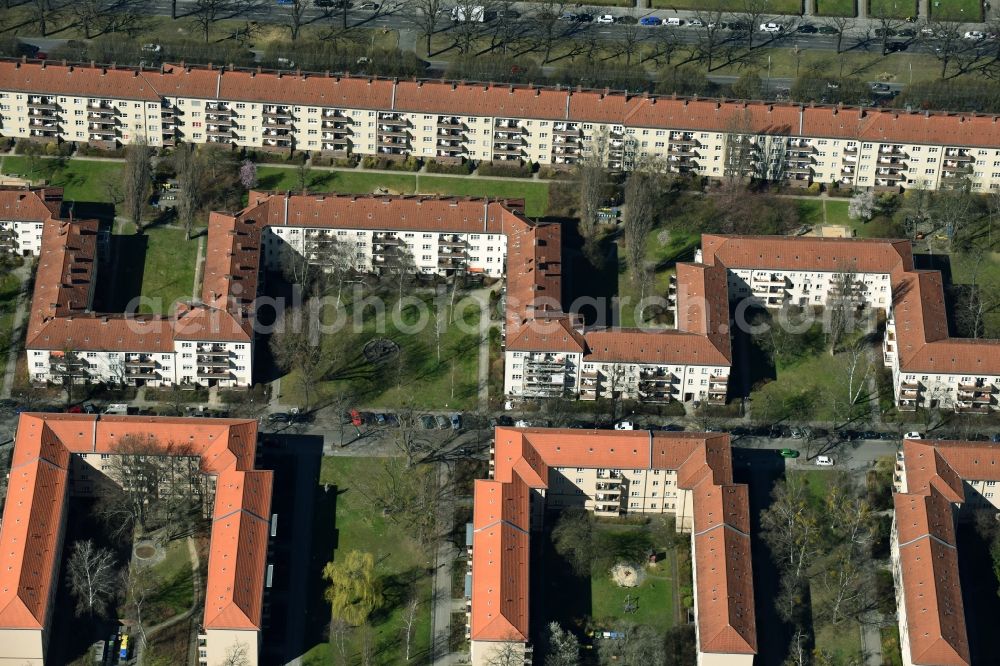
519, 101
522, 458
31, 532
30, 204
925, 524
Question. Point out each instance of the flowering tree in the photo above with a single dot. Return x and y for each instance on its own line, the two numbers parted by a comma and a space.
862, 206
248, 174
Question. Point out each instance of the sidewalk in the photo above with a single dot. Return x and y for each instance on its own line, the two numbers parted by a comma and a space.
442, 603
16, 330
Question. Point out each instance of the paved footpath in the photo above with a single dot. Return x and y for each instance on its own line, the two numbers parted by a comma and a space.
441, 600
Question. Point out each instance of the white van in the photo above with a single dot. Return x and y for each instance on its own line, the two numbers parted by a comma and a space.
824, 461
673, 20
117, 408
624, 425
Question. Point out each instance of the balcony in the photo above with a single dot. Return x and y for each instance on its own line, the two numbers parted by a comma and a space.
959, 156
977, 387
453, 241
450, 122
566, 130
42, 104
609, 474
507, 150
214, 373
277, 113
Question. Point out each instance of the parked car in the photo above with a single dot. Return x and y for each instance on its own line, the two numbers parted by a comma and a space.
508, 14
279, 417
881, 88
456, 421
428, 422
828, 30
673, 427
907, 32
605, 18
650, 21
824, 461
626, 20
896, 47
152, 48
974, 35
674, 21
356, 418
584, 18
441, 421
771, 27
797, 433
807, 29
739, 431
370, 6
913, 435
380, 419
696, 23
885, 32
789, 453
624, 425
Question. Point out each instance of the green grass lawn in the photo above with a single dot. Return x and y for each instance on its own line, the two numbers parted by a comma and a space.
9, 290
399, 558
967, 11
664, 248
962, 270
819, 211
891, 655
836, 7
163, 259
774, 6
426, 378
655, 597
842, 643
535, 194
175, 592
83, 180
893, 8
804, 390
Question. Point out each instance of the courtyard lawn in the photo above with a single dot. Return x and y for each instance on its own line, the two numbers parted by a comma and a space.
836, 7
159, 264
401, 561
810, 389
773, 7
654, 597
966, 11
535, 193
892, 8
819, 211
962, 270
174, 593
9, 289
841, 643
428, 373
664, 248
83, 179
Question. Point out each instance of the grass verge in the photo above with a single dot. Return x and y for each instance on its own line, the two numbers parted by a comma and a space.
836, 7
534, 193
83, 180
774, 7
892, 8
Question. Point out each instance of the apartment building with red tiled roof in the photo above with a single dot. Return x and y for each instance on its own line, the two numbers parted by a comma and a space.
612, 473
937, 484
57, 457
23, 213
867, 148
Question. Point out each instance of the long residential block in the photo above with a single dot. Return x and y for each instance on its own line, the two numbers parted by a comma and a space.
321, 113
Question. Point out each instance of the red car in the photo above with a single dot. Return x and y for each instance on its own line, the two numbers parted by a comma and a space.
355, 418
75, 409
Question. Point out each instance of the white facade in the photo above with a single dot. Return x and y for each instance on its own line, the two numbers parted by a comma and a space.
226, 364
219, 647
20, 237
775, 288
432, 252
278, 124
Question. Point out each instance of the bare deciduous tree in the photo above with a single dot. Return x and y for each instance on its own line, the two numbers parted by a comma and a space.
425, 14
845, 296
137, 176
843, 25
409, 621
297, 349
295, 15
190, 168
92, 576
640, 219
592, 182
